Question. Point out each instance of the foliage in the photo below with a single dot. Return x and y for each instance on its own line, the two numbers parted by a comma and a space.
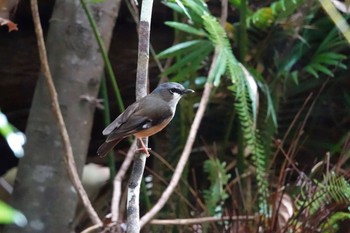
9, 215
218, 178
14, 138
191, 54
319, 57
333, 188
332, 225
319, 204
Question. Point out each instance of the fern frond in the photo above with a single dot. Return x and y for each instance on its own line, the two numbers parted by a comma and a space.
246, 95
218, 178
333, 189
245, 105
218, 37
251, 135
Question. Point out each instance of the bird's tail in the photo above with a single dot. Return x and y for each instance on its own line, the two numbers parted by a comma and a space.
106, 147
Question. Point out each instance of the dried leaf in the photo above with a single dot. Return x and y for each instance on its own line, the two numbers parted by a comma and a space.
285, 210
11, 25
342, 6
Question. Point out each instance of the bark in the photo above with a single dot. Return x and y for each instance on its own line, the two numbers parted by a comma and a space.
43, 191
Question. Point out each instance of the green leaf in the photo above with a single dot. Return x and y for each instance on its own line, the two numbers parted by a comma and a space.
9, 215
219, 68
323, 69
218, 178
179, 48
179, 3
190, 59
186, 28
189, 70
312, 71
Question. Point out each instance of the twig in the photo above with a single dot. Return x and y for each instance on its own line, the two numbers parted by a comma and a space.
133, 208
91, 229
104, 54
68, 155
189, 221
118, 182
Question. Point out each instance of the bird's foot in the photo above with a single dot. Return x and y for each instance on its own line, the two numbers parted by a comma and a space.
145, 150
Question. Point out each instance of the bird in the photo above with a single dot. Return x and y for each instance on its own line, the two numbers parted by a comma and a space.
145, 117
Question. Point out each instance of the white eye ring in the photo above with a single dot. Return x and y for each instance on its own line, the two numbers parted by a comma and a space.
173, 91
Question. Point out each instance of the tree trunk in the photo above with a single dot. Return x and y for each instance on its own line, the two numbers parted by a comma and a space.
43, 191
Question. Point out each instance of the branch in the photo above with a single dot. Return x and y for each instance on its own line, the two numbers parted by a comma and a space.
118, 182
133, 207
190, 221
68, 155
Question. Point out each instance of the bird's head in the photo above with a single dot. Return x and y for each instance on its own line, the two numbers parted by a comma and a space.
171, 92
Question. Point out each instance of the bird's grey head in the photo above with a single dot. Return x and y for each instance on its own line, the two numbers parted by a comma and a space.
171, 92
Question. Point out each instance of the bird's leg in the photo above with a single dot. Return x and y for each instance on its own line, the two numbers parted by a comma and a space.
143, 148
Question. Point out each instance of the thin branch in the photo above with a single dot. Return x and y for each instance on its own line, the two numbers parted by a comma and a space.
91, 229
117, 187
133, 207
190, 221
68, 153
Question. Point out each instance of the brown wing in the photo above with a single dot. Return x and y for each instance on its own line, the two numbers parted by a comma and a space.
121, 119
154, 112
129, 127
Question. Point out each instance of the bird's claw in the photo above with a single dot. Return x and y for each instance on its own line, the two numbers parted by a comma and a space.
145, 150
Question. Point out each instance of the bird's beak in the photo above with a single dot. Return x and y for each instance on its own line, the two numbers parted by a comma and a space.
188, 91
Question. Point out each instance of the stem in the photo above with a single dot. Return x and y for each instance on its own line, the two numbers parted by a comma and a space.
107, 120
117, 191
242, 36
104, 54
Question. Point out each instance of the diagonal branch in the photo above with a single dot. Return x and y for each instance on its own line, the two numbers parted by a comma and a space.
117, 184
68, 155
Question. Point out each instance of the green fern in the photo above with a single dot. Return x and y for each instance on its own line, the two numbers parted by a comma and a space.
190, 54
218, 178
333, 189
332, 225
324, 58
244, 99
325, 54
265, 17
227, 64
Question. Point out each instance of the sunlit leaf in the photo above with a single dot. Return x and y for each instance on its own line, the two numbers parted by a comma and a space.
9, 215
186, 28
179, 48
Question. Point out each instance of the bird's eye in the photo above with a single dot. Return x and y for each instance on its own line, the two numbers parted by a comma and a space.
172, 90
